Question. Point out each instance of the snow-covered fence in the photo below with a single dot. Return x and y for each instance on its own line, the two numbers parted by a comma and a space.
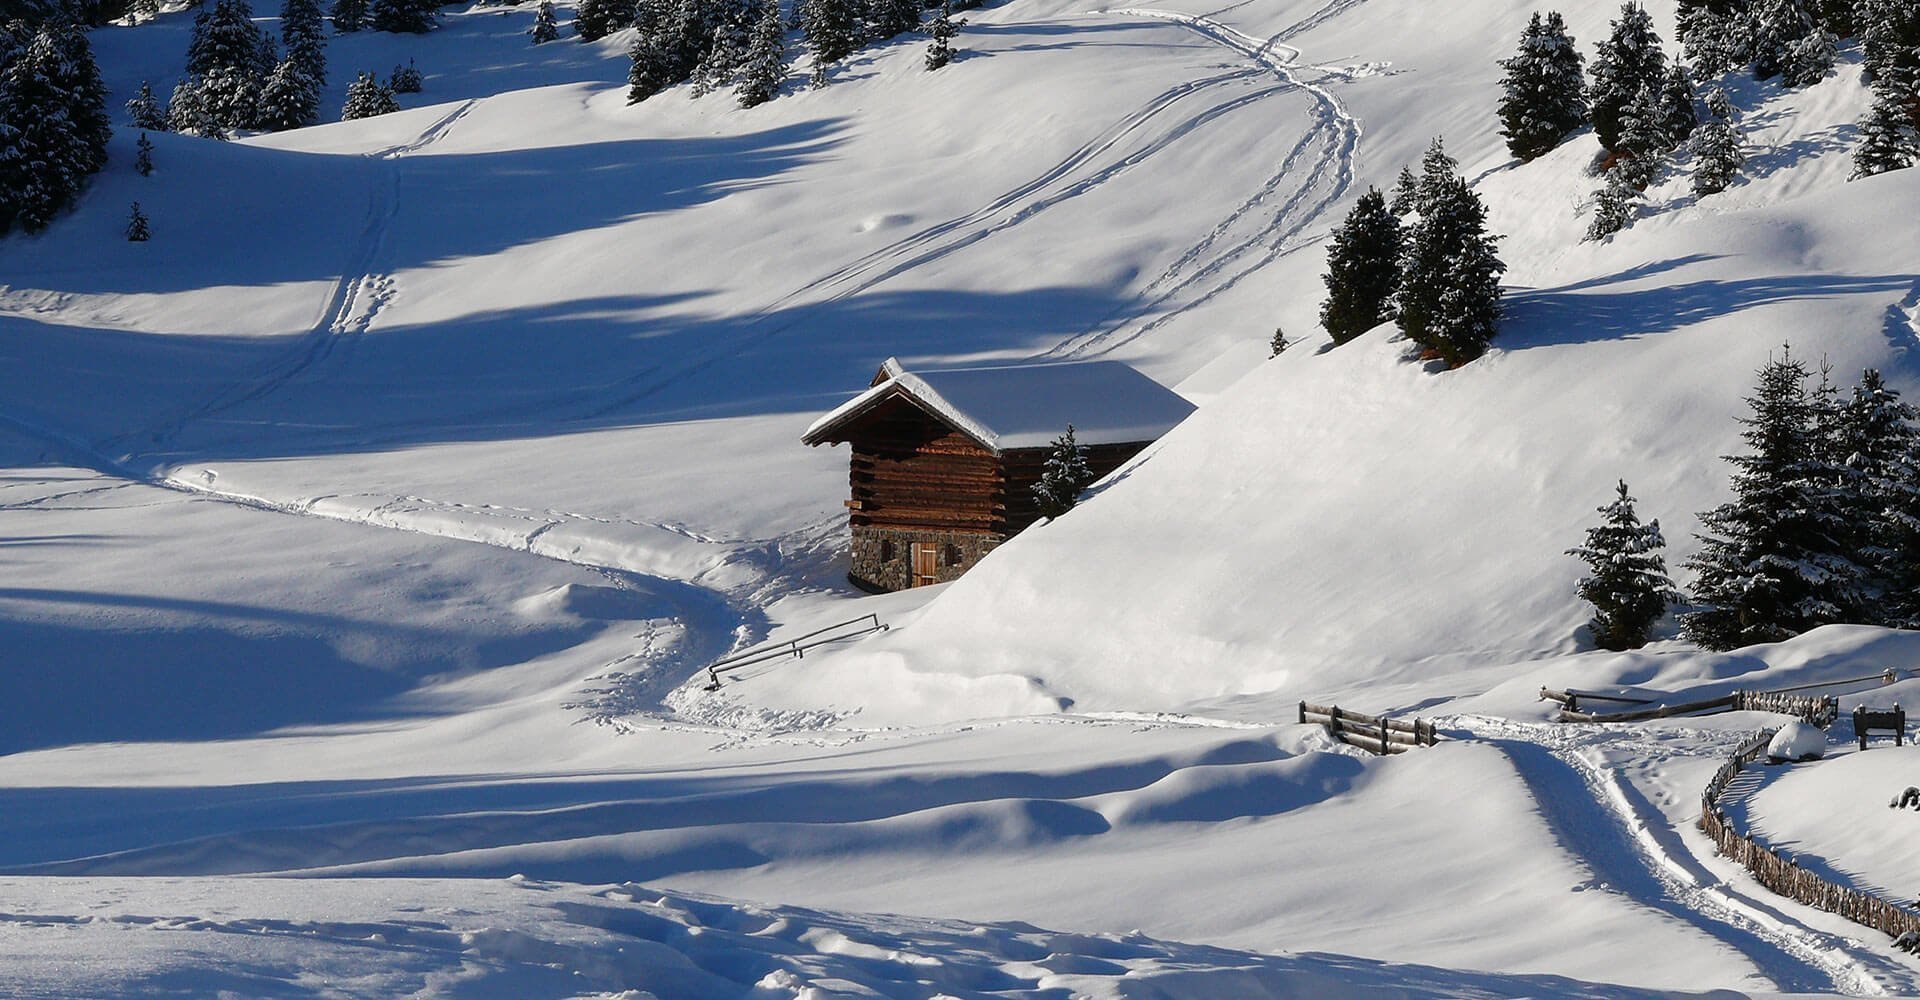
1375, 733
1777, 871
1819, 710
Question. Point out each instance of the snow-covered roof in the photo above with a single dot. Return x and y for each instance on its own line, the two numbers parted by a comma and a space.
1025, 406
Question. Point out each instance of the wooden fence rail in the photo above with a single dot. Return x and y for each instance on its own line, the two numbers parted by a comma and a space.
1813, 708
1781, 874
1374, 733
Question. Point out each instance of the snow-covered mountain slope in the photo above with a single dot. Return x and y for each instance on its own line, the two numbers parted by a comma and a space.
335, 515
1345, 518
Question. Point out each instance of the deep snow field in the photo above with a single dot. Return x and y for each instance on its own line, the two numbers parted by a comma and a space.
362, 537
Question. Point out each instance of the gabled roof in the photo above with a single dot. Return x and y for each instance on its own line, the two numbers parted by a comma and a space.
1023, 406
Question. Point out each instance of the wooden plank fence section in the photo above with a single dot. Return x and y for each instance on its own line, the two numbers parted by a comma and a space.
1373, 733
1779, 873
1821, 711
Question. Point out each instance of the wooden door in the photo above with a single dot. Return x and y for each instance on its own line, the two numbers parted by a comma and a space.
926, 563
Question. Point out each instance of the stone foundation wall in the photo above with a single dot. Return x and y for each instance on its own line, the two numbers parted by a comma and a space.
883, 557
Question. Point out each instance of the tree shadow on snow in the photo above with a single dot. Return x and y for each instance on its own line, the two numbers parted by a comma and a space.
1586, 313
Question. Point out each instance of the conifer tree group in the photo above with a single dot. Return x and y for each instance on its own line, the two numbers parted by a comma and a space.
1438, 275
596, 19
717, 44
236, 79
1824, 525
1449, 296
1629, 61
1627, 581
367, 97
410, 17
53, 121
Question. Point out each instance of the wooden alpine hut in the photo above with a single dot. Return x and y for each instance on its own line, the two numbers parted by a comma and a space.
945, 460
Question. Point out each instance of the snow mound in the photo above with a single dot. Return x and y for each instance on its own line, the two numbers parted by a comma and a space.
591, 602
1797, 741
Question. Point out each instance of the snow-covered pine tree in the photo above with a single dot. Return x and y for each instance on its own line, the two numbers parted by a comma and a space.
1714, 39
1643, 142
79, 76
1787, 42
1406, 192
1449, 301
1363, 269
1279, 344
348, 16
943, 29
224, 37
1678, 117
1717, 155
1544, 92
187, 112
410, 17
1063, 477
1626, 580
1890, 35
1775, 560
1888, 139
720, 67
144, 110
596, 19
1437, 172
291, 99
143, 156
1629, 59
366, 97
652, 52
1614, 206
832, 33
1882, 450
46, 157
544, 28
889, 18
137, 229
404, 79
304, 38
766, 63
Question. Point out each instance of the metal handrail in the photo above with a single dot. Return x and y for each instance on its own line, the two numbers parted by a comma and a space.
795, 647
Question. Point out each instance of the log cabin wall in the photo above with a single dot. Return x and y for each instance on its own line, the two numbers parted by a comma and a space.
1020, 470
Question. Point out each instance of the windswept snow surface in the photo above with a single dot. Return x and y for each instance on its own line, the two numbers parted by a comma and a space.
363, 533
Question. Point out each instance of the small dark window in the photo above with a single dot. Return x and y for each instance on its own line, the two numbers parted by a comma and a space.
886, 551
953, 555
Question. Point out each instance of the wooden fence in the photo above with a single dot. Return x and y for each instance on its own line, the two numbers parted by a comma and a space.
1378, 734
1821, 711
1780, 873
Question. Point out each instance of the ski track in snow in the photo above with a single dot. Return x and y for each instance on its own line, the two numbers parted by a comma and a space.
1632, 850
1086, 170
1330, 145
357, 295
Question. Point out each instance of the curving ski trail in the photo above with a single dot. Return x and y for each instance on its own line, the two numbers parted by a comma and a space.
1632, 850
1330, 145
357, 295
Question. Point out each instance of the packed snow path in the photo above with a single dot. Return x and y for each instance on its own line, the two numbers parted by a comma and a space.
1634, 851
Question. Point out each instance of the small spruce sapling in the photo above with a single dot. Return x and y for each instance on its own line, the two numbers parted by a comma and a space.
943, 28
145, 111
1717, 154
143, 156
137, 231
1613, 208
544, 28
1626, 580
1279, 343
405, 79
1063, 477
